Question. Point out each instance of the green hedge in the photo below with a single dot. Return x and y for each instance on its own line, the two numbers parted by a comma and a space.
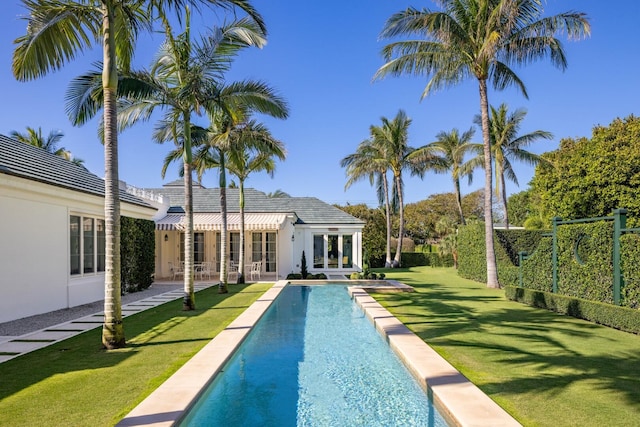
623, 318
432, 259
630, 254
472, 260
137, 253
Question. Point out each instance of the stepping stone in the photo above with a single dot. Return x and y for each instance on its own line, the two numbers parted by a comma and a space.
22, 347
48, 335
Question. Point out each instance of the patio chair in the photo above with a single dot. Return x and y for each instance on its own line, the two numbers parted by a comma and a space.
233, 270
256, 269
205, 270
175, 270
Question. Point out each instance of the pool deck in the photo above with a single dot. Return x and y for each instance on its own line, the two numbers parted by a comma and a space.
457, 399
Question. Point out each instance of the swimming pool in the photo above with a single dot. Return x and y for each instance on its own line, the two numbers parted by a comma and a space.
314, 359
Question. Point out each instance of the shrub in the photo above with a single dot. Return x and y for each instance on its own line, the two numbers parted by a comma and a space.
137, 253
623, 318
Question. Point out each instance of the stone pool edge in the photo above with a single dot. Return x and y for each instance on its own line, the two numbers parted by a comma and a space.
457, 399
167, 405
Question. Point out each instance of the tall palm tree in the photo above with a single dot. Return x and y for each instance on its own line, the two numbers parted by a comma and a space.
186, 79
393, 136
507, 145
253, 150
369, 160
228, 122
450, 148
50, 143
57, 32
478, 39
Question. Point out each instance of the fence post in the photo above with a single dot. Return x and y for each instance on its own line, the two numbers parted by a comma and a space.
522, 255
554, 253
619, 222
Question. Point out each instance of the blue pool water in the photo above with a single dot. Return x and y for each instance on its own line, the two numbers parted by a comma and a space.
314, 359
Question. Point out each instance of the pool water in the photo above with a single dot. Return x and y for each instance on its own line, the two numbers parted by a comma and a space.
314, 359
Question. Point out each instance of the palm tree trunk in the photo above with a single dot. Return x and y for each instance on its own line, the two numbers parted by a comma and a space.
112, 329
504, 201
222, 286
492, 270
387, 262
188, 301
241, 257
459, 201
397, 260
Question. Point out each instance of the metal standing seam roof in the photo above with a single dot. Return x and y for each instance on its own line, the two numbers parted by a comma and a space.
33, 163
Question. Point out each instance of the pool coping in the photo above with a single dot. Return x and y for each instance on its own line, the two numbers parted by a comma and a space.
457, 399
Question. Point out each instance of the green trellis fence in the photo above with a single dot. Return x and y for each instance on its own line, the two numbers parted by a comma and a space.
619, 218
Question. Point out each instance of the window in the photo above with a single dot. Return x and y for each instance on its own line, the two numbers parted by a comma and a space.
86, 245
332, 251
338, 252
74, 245
198, 248
256, 246
270, 252
234, 247
347, 251
318, 251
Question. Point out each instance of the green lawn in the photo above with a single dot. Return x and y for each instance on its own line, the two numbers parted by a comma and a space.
76, 383
543, 368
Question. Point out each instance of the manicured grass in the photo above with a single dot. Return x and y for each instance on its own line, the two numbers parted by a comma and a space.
76, 383
543, 368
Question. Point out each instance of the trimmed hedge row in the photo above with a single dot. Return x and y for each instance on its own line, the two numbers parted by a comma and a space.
432, 259
623, 318
472, 260
137, 253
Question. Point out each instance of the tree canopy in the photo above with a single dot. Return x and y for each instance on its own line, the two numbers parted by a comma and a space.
593, 176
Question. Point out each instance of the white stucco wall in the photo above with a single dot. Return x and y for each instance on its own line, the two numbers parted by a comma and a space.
34, 247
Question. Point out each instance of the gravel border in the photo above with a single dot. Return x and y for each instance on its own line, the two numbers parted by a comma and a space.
41, 321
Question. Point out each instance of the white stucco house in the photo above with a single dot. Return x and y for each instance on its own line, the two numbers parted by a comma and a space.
52, 231
277, 231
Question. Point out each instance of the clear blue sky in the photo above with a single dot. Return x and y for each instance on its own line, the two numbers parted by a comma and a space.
321, 57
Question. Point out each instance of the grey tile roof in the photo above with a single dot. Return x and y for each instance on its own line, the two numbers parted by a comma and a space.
36, 164
309, 210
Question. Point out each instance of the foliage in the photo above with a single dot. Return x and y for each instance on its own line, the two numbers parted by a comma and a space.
303, 266
622, 318
433, 259
593, 176
137, 249
508, 243
421, 217
630, 254
374, 232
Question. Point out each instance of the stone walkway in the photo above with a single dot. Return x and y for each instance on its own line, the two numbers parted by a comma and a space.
22, 336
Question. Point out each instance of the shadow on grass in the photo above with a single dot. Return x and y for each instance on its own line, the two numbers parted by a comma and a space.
534, 350
163, 325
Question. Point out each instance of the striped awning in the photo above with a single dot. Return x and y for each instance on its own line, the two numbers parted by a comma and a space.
213, 221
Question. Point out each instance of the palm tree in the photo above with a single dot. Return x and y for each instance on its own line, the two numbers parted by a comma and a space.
253, 150
186, 80
57, 32
369, 160
49, 144
393, 136
507, 145
450, 148
478, 39
279, 193
227, 133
